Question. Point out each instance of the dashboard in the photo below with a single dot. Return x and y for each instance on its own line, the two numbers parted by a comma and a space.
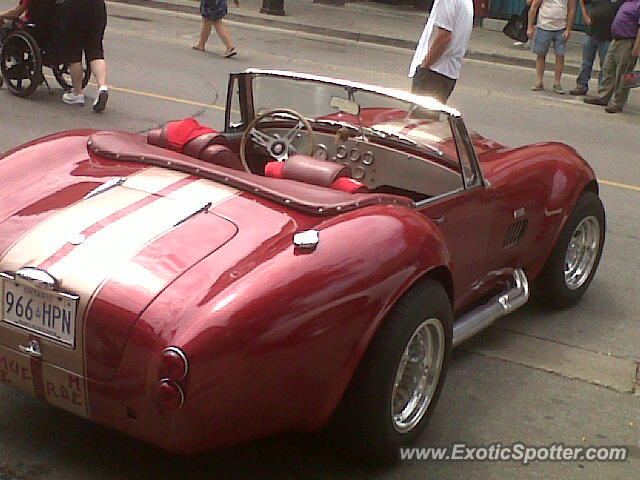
379, 166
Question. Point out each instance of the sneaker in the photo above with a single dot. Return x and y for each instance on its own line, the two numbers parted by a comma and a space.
519, 44
595, 101
578, 91
558, 89
71, 98
537, 88
101, 102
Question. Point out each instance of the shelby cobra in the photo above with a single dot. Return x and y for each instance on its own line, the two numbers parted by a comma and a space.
317, 259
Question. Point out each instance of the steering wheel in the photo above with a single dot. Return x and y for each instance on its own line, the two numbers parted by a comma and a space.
277, 146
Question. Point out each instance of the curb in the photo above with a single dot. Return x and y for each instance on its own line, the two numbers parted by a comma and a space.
344, 35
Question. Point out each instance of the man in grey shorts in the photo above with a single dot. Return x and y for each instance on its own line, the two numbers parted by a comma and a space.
555, 19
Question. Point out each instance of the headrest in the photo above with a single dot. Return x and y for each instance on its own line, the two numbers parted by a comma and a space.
186, 136
303, 168
196, 146
221, 155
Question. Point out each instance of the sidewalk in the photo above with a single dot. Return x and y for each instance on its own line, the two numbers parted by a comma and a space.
377, 23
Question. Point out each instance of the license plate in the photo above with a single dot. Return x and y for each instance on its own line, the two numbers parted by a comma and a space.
47, 313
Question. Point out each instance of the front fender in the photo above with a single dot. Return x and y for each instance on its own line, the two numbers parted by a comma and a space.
547, 180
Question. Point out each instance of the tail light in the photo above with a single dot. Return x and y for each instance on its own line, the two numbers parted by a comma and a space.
170, 394
175, 365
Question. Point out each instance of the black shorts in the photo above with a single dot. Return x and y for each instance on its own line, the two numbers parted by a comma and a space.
85, 22
432, 84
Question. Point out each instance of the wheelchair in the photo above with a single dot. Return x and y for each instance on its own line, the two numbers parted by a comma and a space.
26, 48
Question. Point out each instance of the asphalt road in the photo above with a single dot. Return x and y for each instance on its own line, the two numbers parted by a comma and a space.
538, 376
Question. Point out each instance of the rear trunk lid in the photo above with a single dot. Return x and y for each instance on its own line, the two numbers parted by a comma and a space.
112, 243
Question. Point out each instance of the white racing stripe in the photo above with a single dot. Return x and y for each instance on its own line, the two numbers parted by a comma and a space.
106, 252
48, 237
203, 191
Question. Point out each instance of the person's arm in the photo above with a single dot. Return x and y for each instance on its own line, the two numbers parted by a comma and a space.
438, 47
533, 13
636, 46
13, 13
585, 12
571, 16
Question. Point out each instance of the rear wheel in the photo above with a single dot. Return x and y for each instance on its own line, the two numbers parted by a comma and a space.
575, 258
21, 63
396, 387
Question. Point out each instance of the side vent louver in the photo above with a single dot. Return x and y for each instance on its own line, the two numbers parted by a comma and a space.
515, 233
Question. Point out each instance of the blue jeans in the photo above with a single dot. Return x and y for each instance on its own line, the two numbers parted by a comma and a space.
590, 47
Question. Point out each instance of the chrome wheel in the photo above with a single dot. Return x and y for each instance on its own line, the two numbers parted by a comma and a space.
582, 252
417, 375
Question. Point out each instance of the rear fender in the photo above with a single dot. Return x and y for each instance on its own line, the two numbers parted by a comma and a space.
274, 349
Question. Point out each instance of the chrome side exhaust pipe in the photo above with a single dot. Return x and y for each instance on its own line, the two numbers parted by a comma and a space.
481, 317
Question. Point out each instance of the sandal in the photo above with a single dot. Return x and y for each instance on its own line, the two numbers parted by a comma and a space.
538, 87
196, 47
230, 53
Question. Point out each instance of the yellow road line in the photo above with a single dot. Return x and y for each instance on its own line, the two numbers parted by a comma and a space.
217, 107
621, 185
165, 97
158, 96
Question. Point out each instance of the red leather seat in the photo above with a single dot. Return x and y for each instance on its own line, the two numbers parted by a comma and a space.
210, 147
305, 169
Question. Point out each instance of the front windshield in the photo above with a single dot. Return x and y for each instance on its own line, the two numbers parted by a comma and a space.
377, 117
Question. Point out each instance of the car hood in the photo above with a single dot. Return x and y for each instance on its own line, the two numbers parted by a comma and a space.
115, 235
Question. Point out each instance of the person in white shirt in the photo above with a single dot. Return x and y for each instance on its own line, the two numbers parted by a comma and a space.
555, 19
438, 58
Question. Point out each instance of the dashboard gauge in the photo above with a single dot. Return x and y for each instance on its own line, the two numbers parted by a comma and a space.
359, 173
341, 152
354, 155
367, 158
321, 152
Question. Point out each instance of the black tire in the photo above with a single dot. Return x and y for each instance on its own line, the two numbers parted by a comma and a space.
20, 62
364, 417
63, 77
553, 287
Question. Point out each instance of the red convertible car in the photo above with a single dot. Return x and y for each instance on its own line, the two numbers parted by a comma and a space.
312, 263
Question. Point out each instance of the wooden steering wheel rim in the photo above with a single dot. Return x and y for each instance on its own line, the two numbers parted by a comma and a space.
247, 133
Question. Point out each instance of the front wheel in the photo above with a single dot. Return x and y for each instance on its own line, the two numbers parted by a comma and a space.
396, 387
576, 255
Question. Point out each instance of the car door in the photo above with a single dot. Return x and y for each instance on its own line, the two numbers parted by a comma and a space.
466, 217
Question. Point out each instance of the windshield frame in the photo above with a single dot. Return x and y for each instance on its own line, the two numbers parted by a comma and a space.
243, 82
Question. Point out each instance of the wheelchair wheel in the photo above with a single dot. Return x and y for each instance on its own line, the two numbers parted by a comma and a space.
63, 77
21, 63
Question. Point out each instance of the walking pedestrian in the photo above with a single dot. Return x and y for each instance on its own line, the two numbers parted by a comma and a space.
213, 11
437, 62
621, 58
555, 20
598, 14
85, 22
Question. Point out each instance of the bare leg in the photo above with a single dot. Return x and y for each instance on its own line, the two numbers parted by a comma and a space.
223, 33
540, 64
99, 70
205, 31
77, 74
558, 70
